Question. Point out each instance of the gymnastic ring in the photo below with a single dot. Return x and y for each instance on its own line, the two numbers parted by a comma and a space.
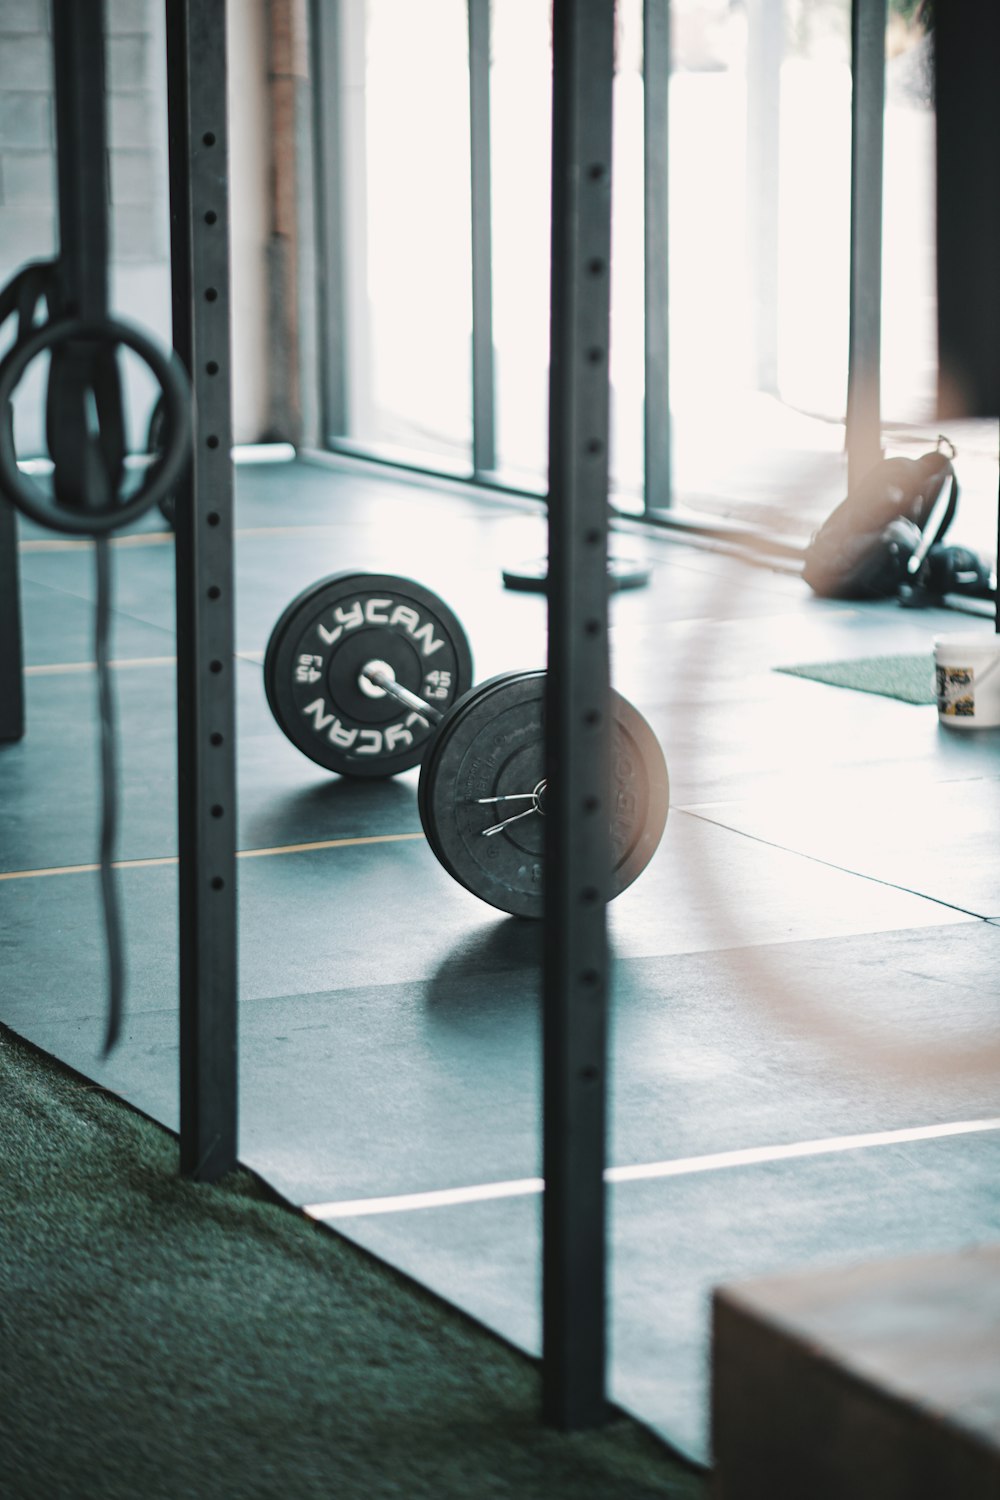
161, 478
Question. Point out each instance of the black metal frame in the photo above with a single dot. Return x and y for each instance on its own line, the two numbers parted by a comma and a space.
82, 163
206, 719
577, 842
197, 129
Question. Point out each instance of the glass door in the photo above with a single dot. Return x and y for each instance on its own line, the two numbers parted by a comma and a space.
405, 257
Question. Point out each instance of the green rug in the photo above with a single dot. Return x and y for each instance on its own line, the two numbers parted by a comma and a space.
910, 678
168, 1340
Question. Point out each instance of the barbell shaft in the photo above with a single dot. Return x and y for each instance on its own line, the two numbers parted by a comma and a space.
402, 695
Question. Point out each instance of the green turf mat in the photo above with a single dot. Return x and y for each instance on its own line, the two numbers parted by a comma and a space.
910, 678
163, 1339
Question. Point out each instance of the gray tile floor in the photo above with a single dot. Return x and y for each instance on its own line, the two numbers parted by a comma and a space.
810, 957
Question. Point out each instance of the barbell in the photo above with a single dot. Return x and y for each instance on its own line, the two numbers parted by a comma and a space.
371, 674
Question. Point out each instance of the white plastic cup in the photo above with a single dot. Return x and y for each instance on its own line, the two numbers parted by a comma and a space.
967, 669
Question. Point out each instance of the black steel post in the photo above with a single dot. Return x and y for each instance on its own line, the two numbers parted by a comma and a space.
206, 721
967, 107
656, 65
966, 40
864, 426
483, 411
78, 73
577, 847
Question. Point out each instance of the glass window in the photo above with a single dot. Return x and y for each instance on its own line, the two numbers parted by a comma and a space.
759, 243
408, 270
909, 227
521, 141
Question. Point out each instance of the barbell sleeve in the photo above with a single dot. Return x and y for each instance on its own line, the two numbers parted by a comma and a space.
402, 695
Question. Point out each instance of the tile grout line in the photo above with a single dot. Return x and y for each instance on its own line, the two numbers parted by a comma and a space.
52, 669
117, 612
171, 859
71, 544
647, 1171
42, 545
830, 864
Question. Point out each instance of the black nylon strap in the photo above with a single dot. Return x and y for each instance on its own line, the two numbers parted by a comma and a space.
109, 799
41, 280
85, 423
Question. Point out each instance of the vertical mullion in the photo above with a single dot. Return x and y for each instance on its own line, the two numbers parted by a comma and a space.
864, 438
483, 437
577, 831
199, 213
328, 97
765, 51
656, 66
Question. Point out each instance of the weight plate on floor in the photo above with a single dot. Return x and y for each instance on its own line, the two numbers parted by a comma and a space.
491, 746
313, 662
533, 577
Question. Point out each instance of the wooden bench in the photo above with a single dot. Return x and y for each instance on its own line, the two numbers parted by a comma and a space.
876, 1382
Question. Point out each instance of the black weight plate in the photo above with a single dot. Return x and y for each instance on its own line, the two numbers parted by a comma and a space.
428, 774
314, 658
491, 744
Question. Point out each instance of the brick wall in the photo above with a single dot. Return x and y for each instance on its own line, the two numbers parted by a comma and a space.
136, 129
137, 166
140, 225
27, 135
137, 132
